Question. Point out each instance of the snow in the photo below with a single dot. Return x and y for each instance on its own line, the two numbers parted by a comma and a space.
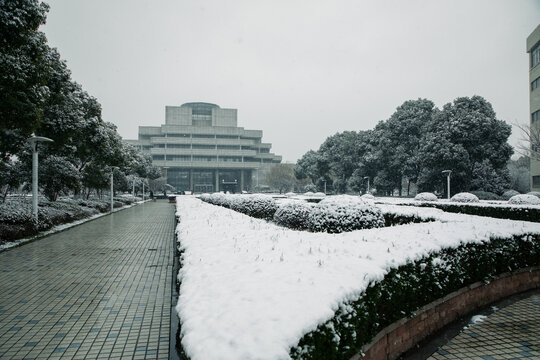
251, 289
524, 200
426, 196
465, 197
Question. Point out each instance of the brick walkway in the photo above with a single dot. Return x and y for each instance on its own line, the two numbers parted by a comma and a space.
512, 332
98, 290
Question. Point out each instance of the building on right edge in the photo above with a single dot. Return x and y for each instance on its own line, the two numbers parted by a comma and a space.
533, 48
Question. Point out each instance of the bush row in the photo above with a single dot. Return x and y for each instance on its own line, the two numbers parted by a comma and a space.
499, 212
17, 220
333, 214
408, 288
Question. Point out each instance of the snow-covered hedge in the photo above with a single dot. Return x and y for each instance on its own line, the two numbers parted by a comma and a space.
524, 199
535, 193
511, 212
486, 195
336, 214
368, 197
426, 196
464, 197
294, 215
509, 193
256, 205
406, 289
347, 286
17, 221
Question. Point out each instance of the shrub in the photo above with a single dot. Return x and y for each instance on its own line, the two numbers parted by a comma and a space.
294, 215
368, 197
406, 289
258, 206
486, 195
426, 196
524, 199
535, 193
337, 214
508, 194
464, 197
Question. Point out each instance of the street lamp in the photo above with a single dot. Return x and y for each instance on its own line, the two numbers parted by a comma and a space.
34, 140
112, 187
367, 177
447, 172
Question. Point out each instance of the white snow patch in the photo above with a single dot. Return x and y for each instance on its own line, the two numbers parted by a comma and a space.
251, 289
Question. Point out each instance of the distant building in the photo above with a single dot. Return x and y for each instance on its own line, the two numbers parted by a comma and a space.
533, 48
201, 148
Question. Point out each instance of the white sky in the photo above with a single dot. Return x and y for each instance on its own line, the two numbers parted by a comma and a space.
300, 70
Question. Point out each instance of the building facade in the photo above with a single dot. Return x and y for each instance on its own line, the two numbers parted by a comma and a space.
201, 148
533, 48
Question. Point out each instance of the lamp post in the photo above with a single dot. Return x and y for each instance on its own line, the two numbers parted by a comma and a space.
367, 177
112, 187
34, 140
447, 172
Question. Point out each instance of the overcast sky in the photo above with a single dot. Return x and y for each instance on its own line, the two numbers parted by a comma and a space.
300, 70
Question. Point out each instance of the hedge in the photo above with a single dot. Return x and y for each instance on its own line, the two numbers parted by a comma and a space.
408, 288
499, 212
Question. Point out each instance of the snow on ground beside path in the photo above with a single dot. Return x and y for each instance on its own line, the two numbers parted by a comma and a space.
251, 289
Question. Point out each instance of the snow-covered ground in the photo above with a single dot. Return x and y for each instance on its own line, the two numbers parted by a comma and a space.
251, 289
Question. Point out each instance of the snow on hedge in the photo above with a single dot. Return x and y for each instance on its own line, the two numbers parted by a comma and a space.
464, 197
426, 196
524, 199
251, 289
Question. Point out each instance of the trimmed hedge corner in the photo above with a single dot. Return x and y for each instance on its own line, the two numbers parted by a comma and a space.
408, 288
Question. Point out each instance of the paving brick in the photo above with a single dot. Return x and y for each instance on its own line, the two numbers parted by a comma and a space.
73, 293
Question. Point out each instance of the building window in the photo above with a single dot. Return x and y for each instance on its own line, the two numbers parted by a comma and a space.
202, 136
535, 55
535, 83
202, 146
228, 147
179, 157
231, 158
536, 181
178, 146
535, 116
204, 158
158, 157
227, 136
178, 135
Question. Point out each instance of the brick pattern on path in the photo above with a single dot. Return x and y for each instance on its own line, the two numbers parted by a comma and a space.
98, 290
512, 332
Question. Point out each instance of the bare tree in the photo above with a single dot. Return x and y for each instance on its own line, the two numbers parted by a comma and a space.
529, 145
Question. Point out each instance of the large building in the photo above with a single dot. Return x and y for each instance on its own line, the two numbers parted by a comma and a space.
201, 148
533, 48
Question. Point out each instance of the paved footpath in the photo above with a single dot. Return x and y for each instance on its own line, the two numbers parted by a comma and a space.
512, 332
98, 290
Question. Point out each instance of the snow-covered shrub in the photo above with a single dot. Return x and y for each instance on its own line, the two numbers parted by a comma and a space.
486, 195
319, 194
509, 193
524, 199
101, 206
426, 196
257, 205
294, 215
336, 214
408, 288
535, 193
308, 193
464, 197
368, 197
290, 194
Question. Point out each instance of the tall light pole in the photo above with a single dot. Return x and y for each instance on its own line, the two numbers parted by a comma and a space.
34, 140
367, 177
447, 172
112, 187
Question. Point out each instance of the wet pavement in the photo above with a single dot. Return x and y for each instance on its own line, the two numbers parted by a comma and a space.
509, 332
99, 290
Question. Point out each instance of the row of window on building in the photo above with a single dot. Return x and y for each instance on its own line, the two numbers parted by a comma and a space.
206, 147
189, 158
197, 136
